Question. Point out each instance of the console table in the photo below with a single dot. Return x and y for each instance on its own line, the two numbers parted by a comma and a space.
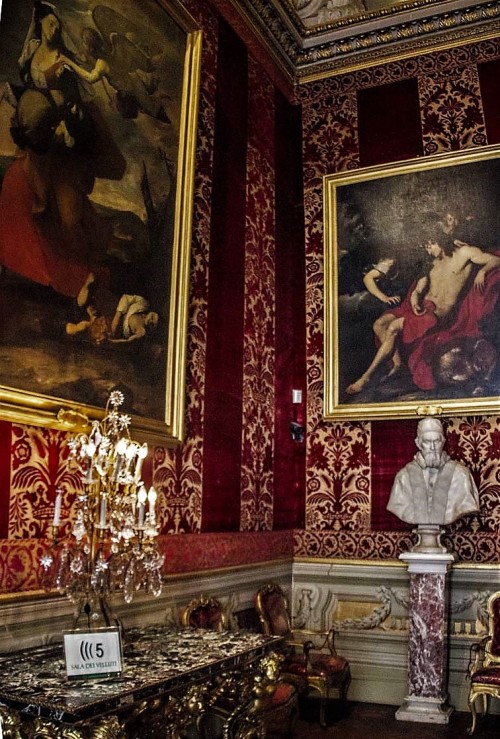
170, 679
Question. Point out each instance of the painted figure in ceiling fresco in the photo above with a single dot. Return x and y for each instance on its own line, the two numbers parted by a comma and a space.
318, 12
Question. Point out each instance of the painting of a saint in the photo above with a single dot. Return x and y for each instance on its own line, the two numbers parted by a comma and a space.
91, 100
416, 282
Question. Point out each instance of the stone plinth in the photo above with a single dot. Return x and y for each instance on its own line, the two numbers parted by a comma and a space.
427, 647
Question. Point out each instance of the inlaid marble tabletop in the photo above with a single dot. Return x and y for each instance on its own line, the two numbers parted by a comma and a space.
156, 660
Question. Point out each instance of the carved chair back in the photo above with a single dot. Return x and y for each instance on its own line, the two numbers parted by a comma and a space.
204, 613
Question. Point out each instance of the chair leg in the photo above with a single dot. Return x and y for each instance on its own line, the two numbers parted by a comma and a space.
322, 711
485, 704
473, 712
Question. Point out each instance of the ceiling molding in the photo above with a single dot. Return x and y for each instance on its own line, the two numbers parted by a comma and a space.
304, 54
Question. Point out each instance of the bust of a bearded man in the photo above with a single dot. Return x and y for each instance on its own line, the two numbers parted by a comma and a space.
432, 488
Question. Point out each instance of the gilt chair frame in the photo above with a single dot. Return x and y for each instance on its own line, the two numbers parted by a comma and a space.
481, 656
203, 601
303, 639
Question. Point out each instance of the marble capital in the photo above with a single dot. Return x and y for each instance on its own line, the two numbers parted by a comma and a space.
427, 562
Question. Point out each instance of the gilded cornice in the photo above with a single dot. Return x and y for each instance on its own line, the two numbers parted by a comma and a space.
408, 29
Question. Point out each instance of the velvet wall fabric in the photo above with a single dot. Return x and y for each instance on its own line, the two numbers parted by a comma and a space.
224, 377
289, 457
488, 80
389, 123
449, 102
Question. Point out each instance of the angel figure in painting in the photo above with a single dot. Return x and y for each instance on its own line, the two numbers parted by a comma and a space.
63, 146
122, 65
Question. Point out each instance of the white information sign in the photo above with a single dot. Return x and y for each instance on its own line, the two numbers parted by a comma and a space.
93, 653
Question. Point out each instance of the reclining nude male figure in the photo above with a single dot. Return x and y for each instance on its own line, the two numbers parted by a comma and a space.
432, 299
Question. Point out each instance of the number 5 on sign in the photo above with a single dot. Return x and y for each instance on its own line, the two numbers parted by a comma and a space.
92, 654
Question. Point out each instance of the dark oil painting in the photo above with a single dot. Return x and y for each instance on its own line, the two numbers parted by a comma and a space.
415, 274
90, 118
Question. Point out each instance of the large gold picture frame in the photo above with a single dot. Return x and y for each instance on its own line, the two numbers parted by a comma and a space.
426, 228
98, 116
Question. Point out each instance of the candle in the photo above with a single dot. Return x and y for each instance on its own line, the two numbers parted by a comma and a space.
57, 509
102, 514
90, 451
141, 497
130, 455
152, 500
121, 448
142, 453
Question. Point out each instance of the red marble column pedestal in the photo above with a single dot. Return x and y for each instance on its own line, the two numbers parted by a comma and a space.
427, 647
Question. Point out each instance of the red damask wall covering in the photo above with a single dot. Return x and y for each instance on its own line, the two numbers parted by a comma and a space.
417, 107
247, 251
238, 486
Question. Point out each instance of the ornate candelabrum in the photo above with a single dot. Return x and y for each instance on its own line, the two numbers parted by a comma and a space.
113, 540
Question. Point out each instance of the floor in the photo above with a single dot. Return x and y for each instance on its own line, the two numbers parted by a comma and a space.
370, 721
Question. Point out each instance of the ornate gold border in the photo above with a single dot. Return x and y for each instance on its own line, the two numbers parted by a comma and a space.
333, 410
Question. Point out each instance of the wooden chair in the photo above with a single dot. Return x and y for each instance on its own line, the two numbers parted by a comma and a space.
204, 613
311, 661
484, 664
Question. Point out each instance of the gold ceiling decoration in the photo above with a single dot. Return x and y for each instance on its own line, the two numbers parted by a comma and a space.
312, 39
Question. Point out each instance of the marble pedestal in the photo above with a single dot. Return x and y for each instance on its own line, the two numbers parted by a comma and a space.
428, 610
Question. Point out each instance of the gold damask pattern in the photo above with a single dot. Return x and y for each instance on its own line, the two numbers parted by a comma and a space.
38, 469
337, 496
332, 496
178, 473
451, 111
256, 507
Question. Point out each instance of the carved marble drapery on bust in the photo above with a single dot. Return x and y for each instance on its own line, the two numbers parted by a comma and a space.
432, 488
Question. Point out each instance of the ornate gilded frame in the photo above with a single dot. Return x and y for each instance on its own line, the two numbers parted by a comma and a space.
154, 25
383, 211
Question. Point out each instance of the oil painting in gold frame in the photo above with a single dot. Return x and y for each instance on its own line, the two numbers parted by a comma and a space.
98, 113
411, 288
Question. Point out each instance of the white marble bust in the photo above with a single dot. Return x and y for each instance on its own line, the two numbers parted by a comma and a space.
432, 488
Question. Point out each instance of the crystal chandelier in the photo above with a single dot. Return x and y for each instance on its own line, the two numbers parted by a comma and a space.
113, 543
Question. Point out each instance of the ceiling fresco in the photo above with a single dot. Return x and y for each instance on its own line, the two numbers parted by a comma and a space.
317, 13
310, 39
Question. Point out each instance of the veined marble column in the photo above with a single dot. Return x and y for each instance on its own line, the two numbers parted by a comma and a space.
427, 648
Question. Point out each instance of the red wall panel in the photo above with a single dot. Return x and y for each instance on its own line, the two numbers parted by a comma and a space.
289, 462
389, 126
225, 320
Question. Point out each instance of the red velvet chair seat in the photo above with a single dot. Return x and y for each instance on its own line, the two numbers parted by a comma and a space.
311, 661
487, 676
484, 664
204, 613
328, 666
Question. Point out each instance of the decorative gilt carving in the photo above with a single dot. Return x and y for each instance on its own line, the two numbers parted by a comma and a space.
109, 728
13, 727
10, 723
303, 59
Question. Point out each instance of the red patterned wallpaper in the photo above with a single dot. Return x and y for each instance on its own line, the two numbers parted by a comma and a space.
349, 470
344, 467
